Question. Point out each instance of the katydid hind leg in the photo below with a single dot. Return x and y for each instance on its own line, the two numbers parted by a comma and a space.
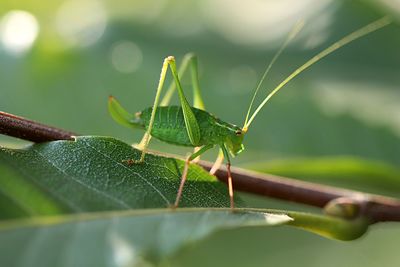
187, 58
230, 182
167, 97
191, 124
183, 180
185, 171
190, 120
146, 138
196, 160
197, 98
191, 59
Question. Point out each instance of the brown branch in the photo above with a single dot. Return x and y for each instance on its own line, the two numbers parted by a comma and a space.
29, 130
375, 207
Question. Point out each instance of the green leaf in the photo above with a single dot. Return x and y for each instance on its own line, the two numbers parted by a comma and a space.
136, 238
89, 175
129, 238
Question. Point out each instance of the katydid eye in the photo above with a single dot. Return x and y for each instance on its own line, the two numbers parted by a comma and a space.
238, 132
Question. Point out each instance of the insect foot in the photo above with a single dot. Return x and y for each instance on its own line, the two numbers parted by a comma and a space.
130, 162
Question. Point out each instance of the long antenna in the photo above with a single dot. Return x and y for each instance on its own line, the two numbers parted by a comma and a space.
295, 30
376, 25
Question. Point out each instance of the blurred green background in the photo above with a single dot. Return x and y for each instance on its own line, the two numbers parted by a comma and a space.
59, 61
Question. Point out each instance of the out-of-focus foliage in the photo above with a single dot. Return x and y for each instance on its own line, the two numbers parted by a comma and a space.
130, 238
347, 172
345, 105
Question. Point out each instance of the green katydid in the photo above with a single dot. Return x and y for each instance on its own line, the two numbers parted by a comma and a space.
193, 126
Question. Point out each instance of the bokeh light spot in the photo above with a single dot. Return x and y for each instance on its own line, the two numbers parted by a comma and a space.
81, 23
126, 56
259, 23
18, 31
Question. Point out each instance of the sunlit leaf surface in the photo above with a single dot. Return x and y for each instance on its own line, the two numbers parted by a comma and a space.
90, 174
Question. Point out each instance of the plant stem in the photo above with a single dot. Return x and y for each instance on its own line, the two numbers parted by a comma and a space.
375, 207
29, 130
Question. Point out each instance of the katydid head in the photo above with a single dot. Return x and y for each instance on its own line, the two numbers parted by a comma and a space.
234, 141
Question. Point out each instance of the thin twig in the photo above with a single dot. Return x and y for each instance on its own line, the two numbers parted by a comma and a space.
30, 130
375, 207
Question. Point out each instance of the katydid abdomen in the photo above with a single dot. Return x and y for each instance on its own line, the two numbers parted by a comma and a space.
169, 126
